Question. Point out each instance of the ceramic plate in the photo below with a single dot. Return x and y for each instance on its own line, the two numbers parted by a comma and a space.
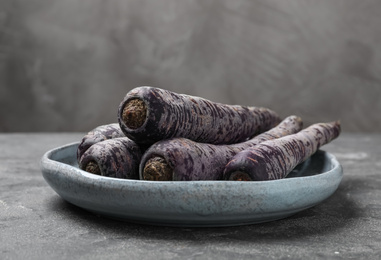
192, 203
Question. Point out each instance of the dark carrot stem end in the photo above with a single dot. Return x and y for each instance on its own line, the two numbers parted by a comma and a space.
240, 176
134, 113
157, 169
92, 167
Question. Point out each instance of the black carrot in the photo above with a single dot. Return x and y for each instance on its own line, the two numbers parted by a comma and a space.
117, 157
98, 134
275, 159
181, 159
148, 114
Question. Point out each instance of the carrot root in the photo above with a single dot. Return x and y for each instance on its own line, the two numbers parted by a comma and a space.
147, 115
98, 134
275, 159
190, 160
118, 158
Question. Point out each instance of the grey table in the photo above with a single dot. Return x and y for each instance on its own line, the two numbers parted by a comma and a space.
35, 223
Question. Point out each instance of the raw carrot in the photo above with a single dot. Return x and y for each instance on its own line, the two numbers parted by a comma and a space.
276, 158
181, 159
148, 114
117, 157
98, 134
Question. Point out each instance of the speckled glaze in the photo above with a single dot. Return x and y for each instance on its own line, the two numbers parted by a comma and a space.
178, 115
192, 203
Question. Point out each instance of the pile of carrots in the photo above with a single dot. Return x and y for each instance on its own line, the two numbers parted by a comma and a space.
166, 136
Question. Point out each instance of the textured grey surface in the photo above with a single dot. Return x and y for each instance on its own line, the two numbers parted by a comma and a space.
66, 64
35, 223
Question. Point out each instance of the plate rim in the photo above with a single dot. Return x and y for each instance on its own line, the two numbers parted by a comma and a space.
46, 159
48, 165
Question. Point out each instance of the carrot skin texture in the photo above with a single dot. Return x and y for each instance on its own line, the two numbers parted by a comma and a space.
192, 160
178, 115
117, 157
275, 159
98, 134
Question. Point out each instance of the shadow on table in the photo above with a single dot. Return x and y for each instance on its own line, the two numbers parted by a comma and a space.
335, 213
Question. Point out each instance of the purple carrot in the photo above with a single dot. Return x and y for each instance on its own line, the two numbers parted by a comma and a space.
275, 159
117, 157
181, 159
148, 114
98, 134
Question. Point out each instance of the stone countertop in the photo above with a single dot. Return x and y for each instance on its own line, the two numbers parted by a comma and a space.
35, 223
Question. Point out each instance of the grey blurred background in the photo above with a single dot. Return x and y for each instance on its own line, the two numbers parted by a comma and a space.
65, 65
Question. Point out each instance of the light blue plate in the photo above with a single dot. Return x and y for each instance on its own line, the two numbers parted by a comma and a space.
192, 203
